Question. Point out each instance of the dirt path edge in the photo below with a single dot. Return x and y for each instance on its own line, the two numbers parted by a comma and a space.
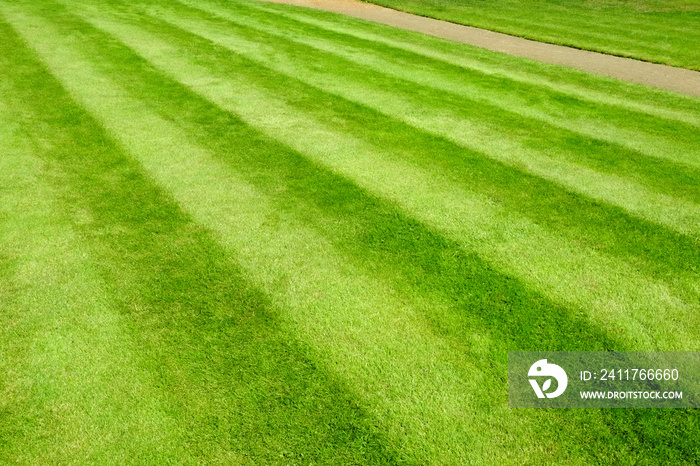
665, 77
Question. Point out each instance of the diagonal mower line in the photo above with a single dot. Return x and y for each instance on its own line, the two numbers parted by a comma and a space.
605, 29
620, 125
511, 242
681, 215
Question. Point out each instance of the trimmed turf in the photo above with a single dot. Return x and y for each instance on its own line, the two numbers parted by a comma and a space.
247, 234
660, 31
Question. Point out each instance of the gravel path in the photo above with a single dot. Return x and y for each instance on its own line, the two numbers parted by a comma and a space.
660, 76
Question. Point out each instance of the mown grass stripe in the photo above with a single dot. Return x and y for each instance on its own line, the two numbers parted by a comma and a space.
674, 179
605, 22
601, 35
239, 388
568, 273
609, 31
419, 390
618, 125
517, 143
557, 78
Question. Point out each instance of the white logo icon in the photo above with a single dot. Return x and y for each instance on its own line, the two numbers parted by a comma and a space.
542, 369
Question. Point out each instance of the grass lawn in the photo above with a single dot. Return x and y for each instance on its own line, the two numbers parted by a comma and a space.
660, 31
243, 233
